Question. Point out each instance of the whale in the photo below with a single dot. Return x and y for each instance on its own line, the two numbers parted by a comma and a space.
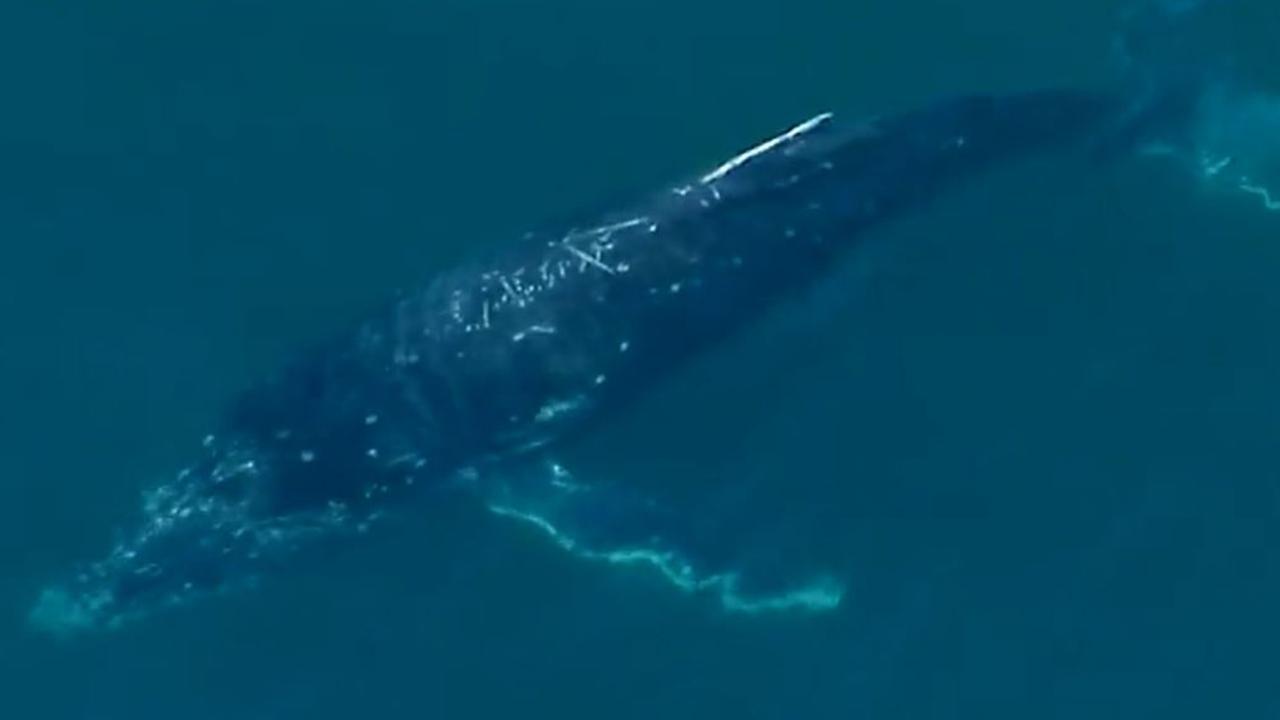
478, 381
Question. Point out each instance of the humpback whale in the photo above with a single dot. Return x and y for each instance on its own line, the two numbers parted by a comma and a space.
474, 381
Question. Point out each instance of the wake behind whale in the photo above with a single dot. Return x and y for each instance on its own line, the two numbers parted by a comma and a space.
474, 383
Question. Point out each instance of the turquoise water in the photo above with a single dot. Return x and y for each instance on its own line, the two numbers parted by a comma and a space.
1034, 426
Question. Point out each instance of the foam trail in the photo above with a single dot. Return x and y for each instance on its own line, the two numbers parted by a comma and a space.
1230, 136
1232, 144
1237, 144
818, 595
607, 524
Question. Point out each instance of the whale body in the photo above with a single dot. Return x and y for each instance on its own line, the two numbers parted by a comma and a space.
475, 380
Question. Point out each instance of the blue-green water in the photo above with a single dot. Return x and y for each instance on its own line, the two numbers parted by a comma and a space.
1034, 426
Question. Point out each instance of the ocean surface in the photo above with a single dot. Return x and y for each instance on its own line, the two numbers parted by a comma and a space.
1035, 426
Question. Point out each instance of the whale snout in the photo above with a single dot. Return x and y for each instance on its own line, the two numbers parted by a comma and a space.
194, 540
60, 612
163, 565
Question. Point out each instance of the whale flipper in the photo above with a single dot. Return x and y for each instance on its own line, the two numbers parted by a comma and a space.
619, 526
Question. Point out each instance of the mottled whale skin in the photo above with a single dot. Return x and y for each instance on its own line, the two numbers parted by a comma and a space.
501, 361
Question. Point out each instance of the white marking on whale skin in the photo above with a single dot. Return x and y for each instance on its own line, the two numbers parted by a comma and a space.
588, 260
530, 445
509, 292
222, 473
556, 408
562, 479
533, 330
739, 160
455, 306
612, 227
405, 458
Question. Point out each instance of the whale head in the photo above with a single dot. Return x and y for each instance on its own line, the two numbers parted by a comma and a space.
199, 535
